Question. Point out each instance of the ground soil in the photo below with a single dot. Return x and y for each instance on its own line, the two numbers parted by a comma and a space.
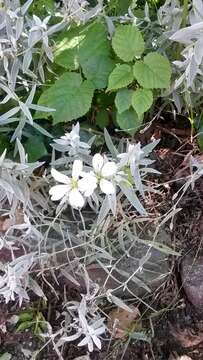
177, 327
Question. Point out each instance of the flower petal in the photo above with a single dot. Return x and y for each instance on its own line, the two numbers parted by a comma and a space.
109, 169
87, 184
97, 162
77, 169
57, 192
76, 199
107, 187
60, 177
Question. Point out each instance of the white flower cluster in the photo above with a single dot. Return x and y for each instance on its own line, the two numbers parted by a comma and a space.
83, 184
103, 175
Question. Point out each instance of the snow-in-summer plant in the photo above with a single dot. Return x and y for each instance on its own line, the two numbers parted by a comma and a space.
16, 281
87, 324
99, 179
26, 57
184, 25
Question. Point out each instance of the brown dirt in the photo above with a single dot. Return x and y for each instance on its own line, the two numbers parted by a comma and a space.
178, 330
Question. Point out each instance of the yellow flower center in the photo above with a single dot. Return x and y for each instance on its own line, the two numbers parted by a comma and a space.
74, 184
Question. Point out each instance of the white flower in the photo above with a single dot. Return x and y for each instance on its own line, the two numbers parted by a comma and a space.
134, 154
105, 172
71, 142
74, 190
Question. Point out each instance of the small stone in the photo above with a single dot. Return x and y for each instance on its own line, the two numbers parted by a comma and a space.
192, 280
153, 273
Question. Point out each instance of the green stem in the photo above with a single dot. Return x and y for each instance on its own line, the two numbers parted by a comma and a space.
185, 13
183, 24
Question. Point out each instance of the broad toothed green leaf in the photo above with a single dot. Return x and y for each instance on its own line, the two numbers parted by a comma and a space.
128, 42
70, 96
120, 77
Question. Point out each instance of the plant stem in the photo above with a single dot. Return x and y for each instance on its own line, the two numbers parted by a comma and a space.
185, 13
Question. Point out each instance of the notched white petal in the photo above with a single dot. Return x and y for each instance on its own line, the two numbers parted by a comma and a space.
87, 184
60, 177
107, 187
97, 162
76, 199
109, 169
57, 192
77, 169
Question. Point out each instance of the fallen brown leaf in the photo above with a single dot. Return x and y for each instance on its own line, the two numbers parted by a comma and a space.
121, 321
6, 222
186, 337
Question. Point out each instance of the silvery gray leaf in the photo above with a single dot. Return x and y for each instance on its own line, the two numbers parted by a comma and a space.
27, 59
14, 72
42, 130
187, 35
110, 25
198, 51
25, 6
132, 198
9, 114
21, 152
104, 210
109, 144
196, 14
117, 301
26, 111
19, 27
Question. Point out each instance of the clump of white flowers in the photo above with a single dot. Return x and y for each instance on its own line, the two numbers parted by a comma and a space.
99, 178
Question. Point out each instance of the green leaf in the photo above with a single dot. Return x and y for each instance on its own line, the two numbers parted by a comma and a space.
41, 8
154, 72
66, 49
142, 100
120, 77
94, 43
26, 316
24, 326
198, 123
6, 356
141, 336
123, 100
102, 118
70, 96
4, 143
77, 46
127, 42
35, 148
97, 69
129, 121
